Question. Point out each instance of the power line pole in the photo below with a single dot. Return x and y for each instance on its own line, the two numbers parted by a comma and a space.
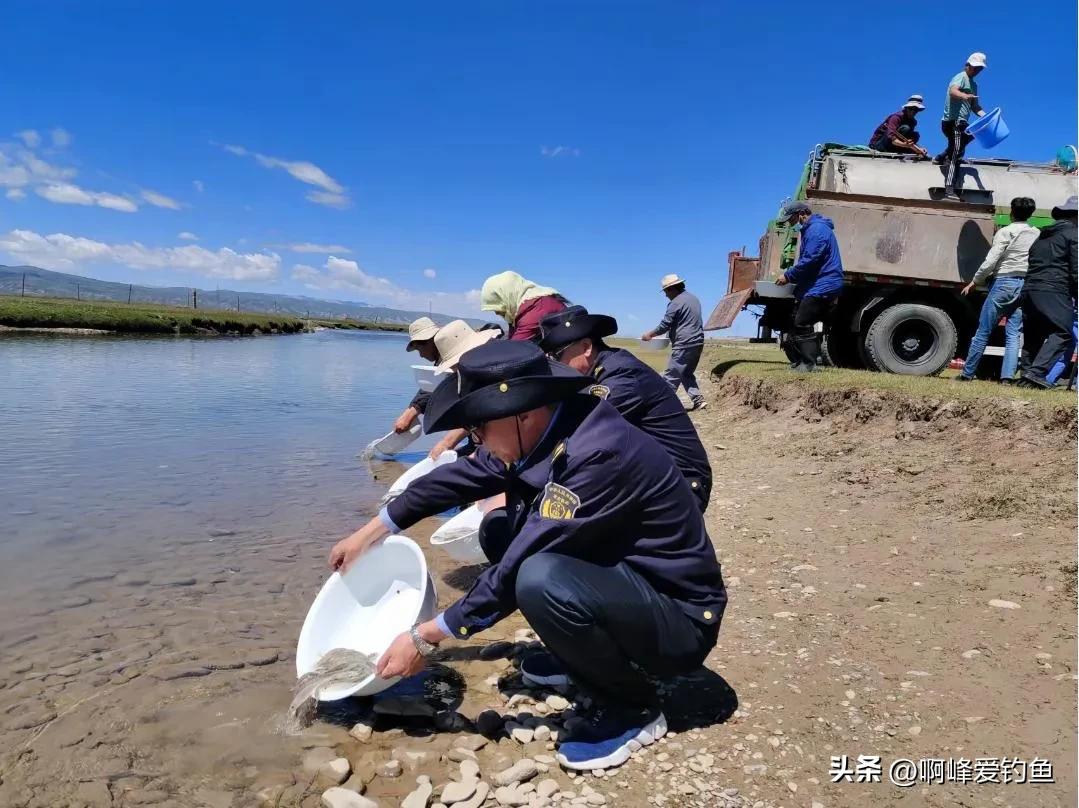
129, 288
194, 298
23, 285
78, 292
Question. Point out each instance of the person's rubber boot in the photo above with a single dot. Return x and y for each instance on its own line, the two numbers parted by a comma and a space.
809, 350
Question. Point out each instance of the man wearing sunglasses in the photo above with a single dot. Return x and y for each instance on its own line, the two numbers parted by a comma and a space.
611, 566
575, 338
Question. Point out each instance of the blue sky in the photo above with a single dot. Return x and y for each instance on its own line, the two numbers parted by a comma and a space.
416, 148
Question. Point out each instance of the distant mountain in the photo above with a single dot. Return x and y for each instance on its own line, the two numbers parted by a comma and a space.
46, 283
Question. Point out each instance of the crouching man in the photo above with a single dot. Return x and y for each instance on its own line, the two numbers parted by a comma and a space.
612, 566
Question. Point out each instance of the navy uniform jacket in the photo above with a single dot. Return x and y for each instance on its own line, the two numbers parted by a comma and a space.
646, 400
609, 493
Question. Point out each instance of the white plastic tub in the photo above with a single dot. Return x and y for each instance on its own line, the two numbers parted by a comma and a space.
656, 344
427, 377
386, 591
415, 472
460, 537
391, 443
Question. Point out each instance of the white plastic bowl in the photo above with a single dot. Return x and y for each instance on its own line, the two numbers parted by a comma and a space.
415, 472
460, 537
386, 591
392, 443
427, 377
656, 343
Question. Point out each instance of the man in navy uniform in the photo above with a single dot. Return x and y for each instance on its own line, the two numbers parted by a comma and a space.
575, 338
612, 566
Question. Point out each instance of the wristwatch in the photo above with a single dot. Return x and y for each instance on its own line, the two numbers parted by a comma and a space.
425, 648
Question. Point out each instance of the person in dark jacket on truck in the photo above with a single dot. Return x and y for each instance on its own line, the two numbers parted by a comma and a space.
898, 133
817, 276
1049, 296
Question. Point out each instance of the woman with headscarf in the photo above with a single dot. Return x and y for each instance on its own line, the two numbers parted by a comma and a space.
521, 303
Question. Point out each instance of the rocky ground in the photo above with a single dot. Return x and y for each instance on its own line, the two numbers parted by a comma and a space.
902, 584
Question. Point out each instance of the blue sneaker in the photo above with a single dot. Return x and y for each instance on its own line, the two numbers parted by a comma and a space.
544, 670
611, 739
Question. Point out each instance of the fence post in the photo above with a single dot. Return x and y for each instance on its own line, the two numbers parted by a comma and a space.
78, 292
194, 298
129, 288
23, 285
237, 303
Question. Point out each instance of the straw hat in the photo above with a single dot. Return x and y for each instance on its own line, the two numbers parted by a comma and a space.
420, 330
454, 339
670, 280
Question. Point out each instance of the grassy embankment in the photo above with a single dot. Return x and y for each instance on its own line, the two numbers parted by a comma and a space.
150, 318
767, 363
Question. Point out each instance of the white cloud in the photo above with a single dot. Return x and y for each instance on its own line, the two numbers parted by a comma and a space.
62, 251
160, 200
430, 273
332, 193
64, 193
198, 185
560, 151
341, 274
31, 137
15, 193
61, 138
309, 247
186, 236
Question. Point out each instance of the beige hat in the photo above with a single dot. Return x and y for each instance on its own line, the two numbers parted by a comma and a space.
420, 330
455, 339
976, 59
670, 280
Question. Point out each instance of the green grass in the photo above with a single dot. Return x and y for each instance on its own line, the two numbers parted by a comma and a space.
150, 318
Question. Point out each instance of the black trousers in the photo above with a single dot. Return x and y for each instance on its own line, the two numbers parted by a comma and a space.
1047, 329
955, 133
607, 624
803, 342
886, 145
496, 533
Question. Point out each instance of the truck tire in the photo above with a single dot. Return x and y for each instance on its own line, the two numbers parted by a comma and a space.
840, 349
911, 339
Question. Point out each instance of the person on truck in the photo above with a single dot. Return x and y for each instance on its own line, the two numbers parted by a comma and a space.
1006, 265
1049, 295
575, 338
683, 322
520, 302
817, 276
898, 133
961, 100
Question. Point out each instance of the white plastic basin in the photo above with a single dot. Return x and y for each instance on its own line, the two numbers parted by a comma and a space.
413, 473
386, 591
656, 343
392, 443
460, 537
427, 377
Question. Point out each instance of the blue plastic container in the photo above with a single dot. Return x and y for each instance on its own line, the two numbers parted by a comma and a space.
989, 130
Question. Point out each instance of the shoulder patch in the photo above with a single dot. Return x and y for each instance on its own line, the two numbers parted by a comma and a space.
599, 390
558, 502
598, 369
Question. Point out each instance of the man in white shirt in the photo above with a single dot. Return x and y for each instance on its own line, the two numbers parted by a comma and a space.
1006, 264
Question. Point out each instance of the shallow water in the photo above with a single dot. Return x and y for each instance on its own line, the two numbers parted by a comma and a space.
168, 505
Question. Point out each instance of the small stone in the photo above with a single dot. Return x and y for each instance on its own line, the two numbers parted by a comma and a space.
774, 742
391, 768
470, 770
95, 794
337, 797
412, 758
915, 730
973, 652
510, 796
542, 733
521, 771
522, 735
595, 798
556, 702
792, 787
545, 788
1043, 657
782, 615
317, 758
421, 796
459, 755
451, 721
1004, 604
335, 771
489, 723
361, 732
472, 742
477, 799
454, 792
597, 772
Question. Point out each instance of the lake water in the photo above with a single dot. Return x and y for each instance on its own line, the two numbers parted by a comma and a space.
167, 509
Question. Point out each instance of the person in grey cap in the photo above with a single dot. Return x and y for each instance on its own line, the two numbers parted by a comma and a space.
898, 133
817, 276
1049, 296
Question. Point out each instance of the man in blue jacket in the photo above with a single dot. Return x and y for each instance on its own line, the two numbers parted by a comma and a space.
817, 276
612, 565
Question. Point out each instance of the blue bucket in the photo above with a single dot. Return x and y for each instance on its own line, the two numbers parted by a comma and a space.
989, 130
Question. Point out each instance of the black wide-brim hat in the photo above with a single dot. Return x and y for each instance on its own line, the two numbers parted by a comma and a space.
497, 380
571, 324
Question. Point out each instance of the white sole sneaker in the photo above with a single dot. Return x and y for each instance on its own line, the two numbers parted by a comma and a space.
648, 735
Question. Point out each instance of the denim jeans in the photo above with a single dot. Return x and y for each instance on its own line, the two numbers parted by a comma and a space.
1002, 301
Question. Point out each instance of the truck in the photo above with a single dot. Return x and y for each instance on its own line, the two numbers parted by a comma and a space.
908, 248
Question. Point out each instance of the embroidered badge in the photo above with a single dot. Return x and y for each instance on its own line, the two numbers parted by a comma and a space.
599, 390
559, 450
558, 502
